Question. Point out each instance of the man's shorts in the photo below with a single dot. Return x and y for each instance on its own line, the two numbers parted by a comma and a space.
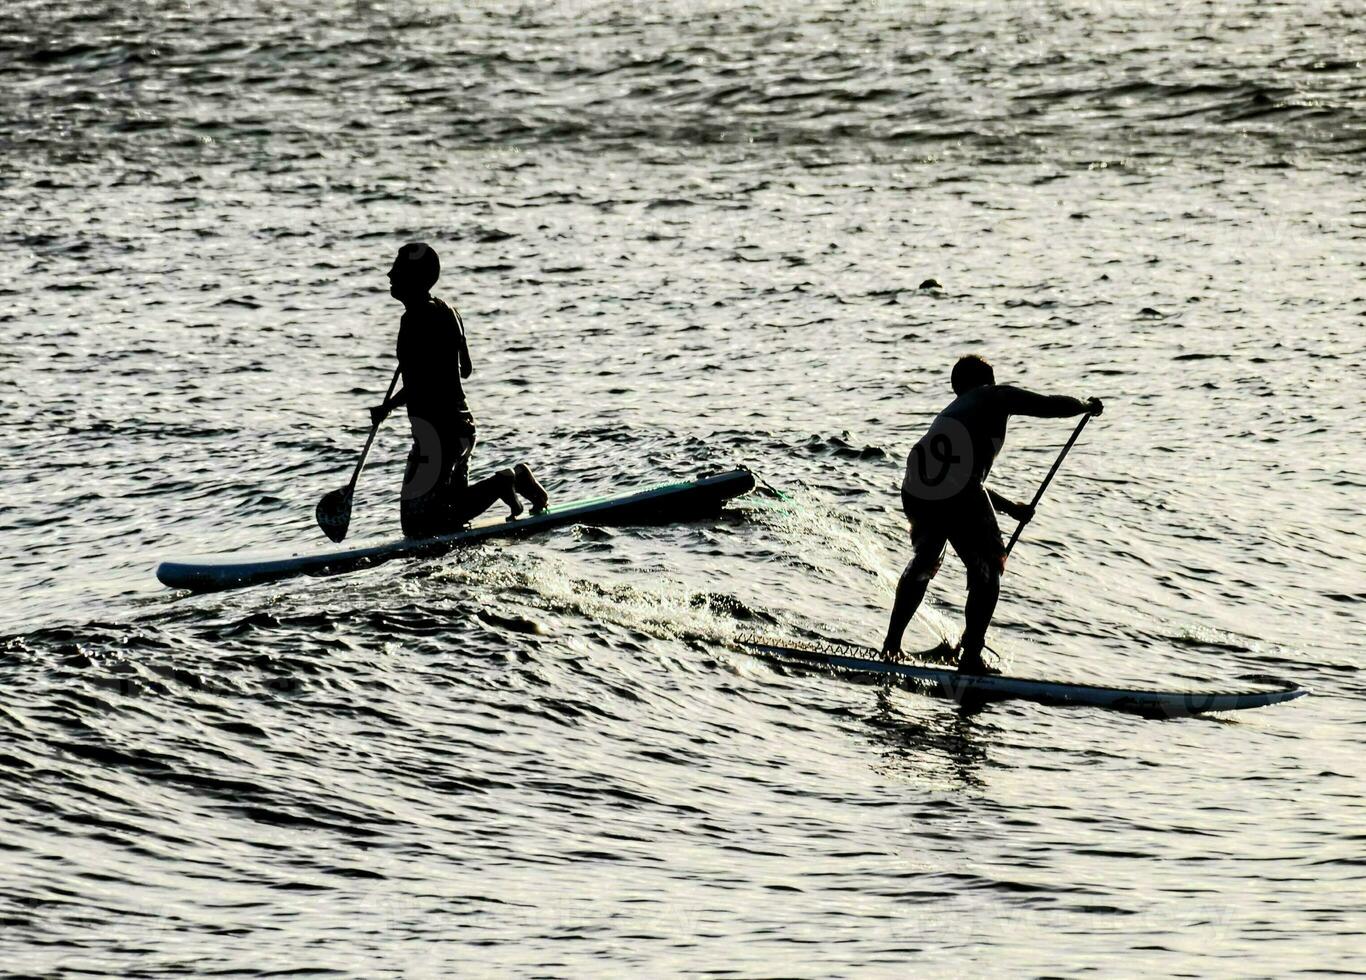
966, 521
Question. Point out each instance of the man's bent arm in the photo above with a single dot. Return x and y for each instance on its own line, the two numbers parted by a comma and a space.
381, 412
1000, 504
1008, 507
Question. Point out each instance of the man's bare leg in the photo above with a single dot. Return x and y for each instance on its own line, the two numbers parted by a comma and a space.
479, 497
984, 589
910, 592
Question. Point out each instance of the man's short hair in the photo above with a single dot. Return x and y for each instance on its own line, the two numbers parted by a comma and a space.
420, 264
972, 371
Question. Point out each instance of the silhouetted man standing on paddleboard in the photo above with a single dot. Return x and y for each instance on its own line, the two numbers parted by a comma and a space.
433, 358
946, 500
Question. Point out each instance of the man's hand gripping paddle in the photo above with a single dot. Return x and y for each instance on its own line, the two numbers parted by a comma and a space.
334, 510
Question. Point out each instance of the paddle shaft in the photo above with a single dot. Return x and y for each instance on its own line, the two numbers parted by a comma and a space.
355, 474
1019, 528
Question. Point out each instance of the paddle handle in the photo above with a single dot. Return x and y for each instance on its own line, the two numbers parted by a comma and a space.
1019, 528
355, 474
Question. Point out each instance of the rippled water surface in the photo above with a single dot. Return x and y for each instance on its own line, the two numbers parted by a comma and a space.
683, 235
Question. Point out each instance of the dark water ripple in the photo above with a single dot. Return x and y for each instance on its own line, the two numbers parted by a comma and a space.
683, 235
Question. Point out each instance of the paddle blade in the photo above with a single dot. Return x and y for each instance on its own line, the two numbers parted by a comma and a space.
334, 513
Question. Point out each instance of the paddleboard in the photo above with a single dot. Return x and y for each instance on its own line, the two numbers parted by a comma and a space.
663, 504
968, 688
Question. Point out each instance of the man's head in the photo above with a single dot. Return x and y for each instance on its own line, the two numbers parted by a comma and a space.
415, 271
970, 372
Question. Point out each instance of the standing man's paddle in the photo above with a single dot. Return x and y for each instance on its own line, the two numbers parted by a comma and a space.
1048, 479
334, 510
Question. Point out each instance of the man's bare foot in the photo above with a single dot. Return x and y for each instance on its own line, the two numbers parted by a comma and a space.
509, 493
945, 654
972, 663
527, 486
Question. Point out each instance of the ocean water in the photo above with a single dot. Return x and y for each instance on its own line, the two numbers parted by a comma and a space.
682, 235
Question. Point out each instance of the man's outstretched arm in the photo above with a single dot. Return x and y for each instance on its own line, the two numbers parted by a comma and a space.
1018, 401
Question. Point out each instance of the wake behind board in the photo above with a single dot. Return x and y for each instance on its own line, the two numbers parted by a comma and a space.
666, 503
947, 682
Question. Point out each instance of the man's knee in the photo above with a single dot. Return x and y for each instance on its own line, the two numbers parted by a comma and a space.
922, 568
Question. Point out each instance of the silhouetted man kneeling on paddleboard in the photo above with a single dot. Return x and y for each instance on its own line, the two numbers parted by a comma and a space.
433, 357
946, 501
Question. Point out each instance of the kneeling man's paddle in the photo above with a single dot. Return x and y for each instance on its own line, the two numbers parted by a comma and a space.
334, 510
